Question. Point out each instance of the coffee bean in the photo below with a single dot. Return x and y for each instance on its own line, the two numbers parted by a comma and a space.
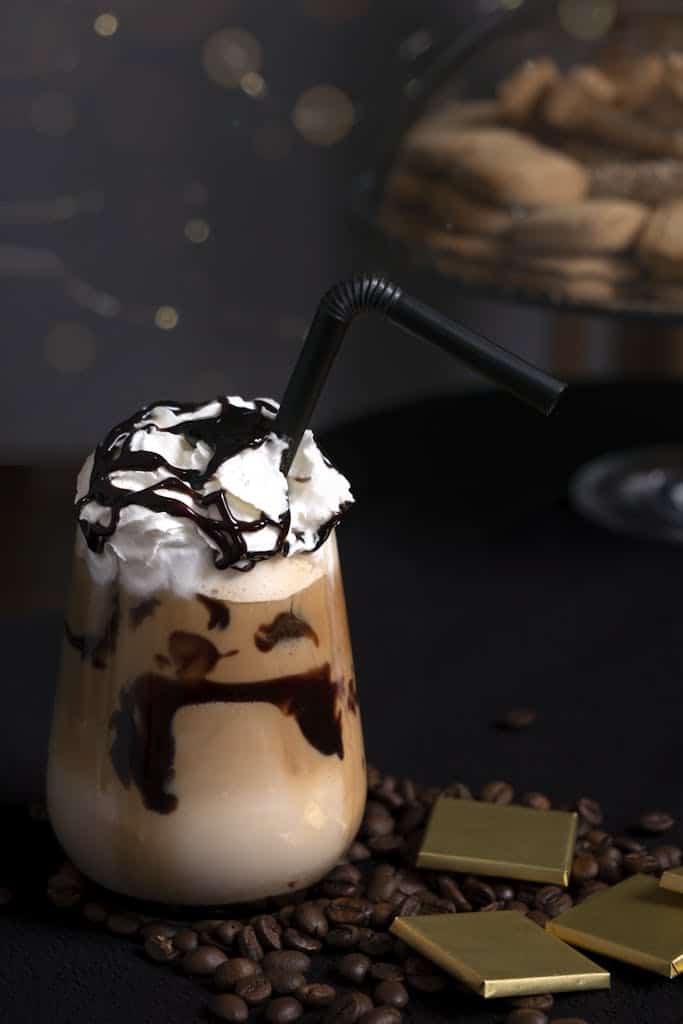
386, 972
545, 893
317, 995
336, 887
391, 993
518, 906
558, 904
598, 839
160, 948
285, 982
590, 811
382, 882
376, 944
538, 917
377, 821
311, 919
450, 890
230, 1008
497, 793
354, 967
283, 1010
477, 892
292, 938
248, 945
526, 893
226, 932
383, 914
627, 844
538, 801
491, 908
348, 1008
540, 1002
504, 891
409, 882
408, 789
122, 924
411, 817
610, 865
456, 791
286, 915
668, 856
584, 867
358, 852
203, 960
411, 906
656, 821
344, 936
589, 889
432, 904
640, 863
401, 950
352, 910
286, 960
185, 940
95, 913
231, 971
382, 1015
517, 718
386, 845
426, 982
254, 989
527, 1016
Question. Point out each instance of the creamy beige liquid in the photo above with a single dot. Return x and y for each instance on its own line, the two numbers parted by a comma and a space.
259, 795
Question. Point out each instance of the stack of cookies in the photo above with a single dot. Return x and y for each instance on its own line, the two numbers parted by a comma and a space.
567, 184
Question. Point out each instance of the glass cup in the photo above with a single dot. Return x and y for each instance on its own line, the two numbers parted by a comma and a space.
207, 748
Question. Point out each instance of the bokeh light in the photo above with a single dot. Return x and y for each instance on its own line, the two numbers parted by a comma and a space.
53, 114
166, 318
253, 85
587, 19
323, 115
106, 25
229, 55
197, 230
69, 347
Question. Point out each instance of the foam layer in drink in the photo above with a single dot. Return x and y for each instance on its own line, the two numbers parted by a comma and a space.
208, 749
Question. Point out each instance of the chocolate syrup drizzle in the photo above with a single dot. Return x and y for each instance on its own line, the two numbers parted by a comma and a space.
97, 649
285, 626
143, 748
142, 611
230, 432
219, 613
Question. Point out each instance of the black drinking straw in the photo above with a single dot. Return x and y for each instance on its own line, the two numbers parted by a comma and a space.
367, 293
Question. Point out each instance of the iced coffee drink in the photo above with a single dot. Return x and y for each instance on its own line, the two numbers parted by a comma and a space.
206, 744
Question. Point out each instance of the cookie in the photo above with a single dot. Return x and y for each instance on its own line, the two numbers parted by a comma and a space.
499, 166
520, 94
458, 210
591, 226
647, 181
660, 249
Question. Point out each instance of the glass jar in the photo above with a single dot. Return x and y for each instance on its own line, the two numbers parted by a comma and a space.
207, 749
540, 158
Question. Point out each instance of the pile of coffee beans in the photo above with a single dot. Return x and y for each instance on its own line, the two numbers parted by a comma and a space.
328, 950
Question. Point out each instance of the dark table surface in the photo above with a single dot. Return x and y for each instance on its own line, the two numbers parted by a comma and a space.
472, 588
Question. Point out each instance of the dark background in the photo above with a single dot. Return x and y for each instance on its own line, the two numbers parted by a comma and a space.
119, 149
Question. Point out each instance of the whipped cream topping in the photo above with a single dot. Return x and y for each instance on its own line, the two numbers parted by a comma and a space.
179, 491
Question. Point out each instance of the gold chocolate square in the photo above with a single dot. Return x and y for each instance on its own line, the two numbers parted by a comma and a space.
673, 881
636, 921
501, 954
505, 842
